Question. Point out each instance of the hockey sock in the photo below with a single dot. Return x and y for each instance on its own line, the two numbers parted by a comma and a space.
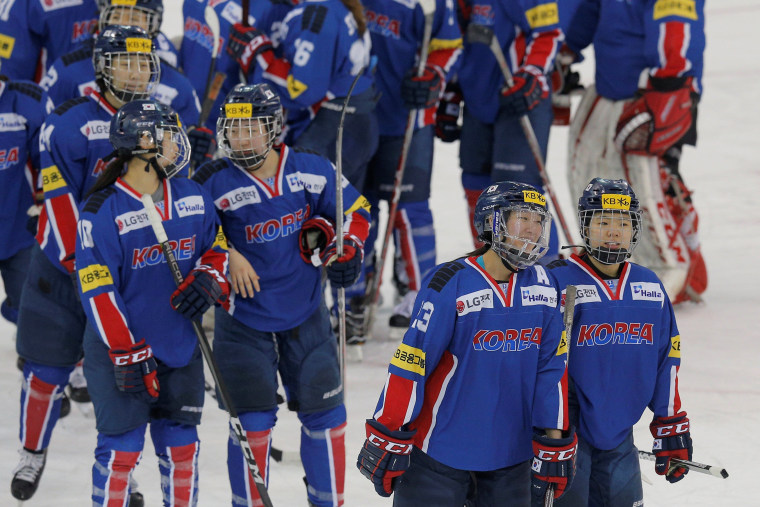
41, 394
116, 456
177, 449
323, 453
258, 429
414, 237
473, 185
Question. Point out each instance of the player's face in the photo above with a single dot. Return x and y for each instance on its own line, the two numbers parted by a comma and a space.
611, 230
248, 136
168, 149
524, 227
131, 72
130, 16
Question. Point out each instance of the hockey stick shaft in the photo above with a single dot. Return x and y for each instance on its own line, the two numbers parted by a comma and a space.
720, 473
373, 291
171, 260
484, 35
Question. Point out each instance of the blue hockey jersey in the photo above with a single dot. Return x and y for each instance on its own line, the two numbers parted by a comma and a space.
124, 281
625, 350
262, 222
396, 30
481, 365
665, 36
73, 75
23, 107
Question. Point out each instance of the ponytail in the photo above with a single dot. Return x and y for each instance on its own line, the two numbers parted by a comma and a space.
356, 8
110, 174
479, 251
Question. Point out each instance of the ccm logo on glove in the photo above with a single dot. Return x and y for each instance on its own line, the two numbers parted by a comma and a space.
135, 357
390, 446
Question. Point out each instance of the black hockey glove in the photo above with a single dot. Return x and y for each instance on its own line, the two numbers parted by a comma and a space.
672, 439
553, 463
313, 238
528, 90
565, 83
245, 44
422, 92
135, 370
447, 127
202, 145
384, 457
197, 293
344, 271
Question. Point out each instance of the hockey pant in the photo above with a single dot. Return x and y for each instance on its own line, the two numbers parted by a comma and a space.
669, 244
41, 393
322, 454
116, 457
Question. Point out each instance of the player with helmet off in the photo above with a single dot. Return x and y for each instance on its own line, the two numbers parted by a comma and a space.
475, 396
275, 204
625, 353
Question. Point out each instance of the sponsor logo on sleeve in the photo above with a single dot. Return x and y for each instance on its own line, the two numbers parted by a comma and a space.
52, 5
313, 183
94, 276
95, 129
562, 349
683, 8
294, 182
539, 295
295, 87
191, 205
474, 301
52, 179
237, 198
6, 45
647, 291
360, 203
410, 359
220, 240
675, 346
543, 15
131, 221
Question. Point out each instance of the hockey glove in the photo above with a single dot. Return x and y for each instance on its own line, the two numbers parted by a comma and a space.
656, 118
245, 44
553, 463
384, 457
135, 370
565, 83
316, 233
447, 127
422, 92
343, 271
197, 293
528, 90
202, 145
671, 440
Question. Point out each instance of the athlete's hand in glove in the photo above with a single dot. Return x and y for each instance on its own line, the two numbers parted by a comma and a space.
384, 456
553, 463
245, 44
197, 293
422, 92
565, 83
528, 90
447, 127
135, 370
313, 238
202, 145
343, 271
657, 118
671, 440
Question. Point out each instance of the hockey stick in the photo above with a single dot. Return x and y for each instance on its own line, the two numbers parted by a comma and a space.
480, 34
720, 473
373, 291
171, 260
339, 233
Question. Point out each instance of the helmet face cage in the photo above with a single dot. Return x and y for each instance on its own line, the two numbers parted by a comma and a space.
124, 59
145, 14
520, 233
247, 141
173, 148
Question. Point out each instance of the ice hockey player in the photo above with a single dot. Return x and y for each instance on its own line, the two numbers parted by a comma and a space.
143, 362
273, 202
634, 122
625, 352
74, 150
484, 348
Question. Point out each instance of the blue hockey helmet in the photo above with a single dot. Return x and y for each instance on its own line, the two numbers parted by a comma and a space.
147, 127
618, 209
126, 63
250, 120
147, 14
522, 241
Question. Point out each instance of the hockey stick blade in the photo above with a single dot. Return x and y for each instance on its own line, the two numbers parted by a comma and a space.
720, 473
479, 34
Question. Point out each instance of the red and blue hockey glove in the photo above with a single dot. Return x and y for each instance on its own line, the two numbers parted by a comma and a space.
447, 127
245, 44
313, 238
202, 145
553, 463
197, 293
671, 440
385, 456
423, 91
657, 118
135, 370
528, 90
343, 271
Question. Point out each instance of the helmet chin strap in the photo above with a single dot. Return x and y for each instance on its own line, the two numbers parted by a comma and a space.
153, 162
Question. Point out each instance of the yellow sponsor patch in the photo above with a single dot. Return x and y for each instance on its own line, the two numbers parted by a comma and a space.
139, 45
220, 240
682, 8
124, 2
6, 45
543, 15
675, 346
409, 359
442, 44
562, 349
52, 179
94, 276
616, 201
295, 87
361, 202
238, 110
534, 197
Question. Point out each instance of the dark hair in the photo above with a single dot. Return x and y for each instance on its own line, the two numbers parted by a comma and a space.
479, 251
109, 175
356, 8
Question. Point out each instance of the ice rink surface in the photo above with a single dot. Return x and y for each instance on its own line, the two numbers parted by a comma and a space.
719, 376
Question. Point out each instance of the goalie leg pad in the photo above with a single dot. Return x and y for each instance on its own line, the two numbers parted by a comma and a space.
177, 447
41, 393
323, 453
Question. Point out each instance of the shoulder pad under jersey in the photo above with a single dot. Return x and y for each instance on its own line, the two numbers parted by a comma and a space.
444, 273
96, 200
208, 170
